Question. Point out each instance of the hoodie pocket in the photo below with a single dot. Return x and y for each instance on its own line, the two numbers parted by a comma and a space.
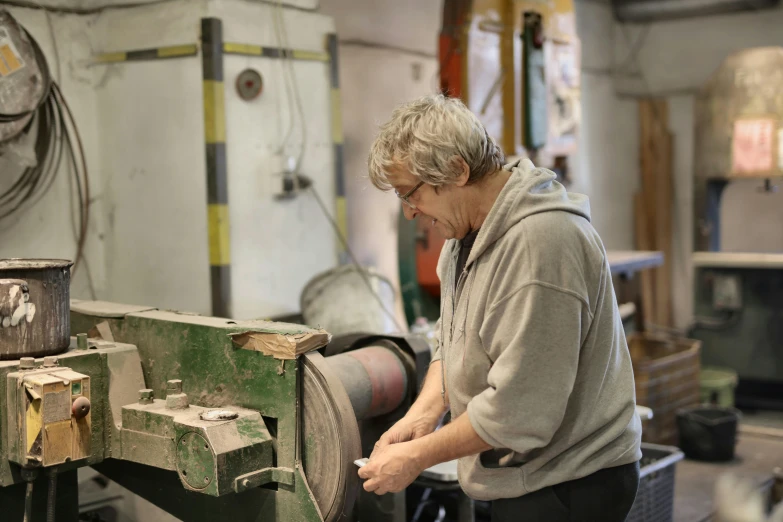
490, 483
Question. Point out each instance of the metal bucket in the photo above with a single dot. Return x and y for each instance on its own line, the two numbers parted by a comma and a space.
339, 301
34, 307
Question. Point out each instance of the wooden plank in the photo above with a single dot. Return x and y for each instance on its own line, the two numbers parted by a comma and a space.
647, 300
643, 206
654, 212
663, 225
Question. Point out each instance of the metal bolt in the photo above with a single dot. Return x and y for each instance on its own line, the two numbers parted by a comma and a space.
81, 341
26, 363
245, 482
50, 362
174, 386
146, 396
177, 401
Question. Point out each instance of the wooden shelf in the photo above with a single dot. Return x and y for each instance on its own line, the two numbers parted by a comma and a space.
737, 260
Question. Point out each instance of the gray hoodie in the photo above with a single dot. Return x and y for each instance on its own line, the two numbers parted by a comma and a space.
532, 344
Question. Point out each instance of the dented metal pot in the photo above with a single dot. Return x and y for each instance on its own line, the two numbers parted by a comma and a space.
34, 307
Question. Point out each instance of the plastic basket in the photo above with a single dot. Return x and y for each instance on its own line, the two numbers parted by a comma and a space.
666, 372
655, 498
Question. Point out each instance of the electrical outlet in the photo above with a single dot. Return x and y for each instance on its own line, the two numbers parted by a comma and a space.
727, 292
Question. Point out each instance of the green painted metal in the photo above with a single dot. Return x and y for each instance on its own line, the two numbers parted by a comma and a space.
164, 446
215, 373
195, 462
258, 478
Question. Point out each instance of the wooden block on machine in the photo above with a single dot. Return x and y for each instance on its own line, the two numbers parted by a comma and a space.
283, 342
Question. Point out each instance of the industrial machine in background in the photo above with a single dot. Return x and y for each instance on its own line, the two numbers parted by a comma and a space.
516, 65
738, 223
207, 418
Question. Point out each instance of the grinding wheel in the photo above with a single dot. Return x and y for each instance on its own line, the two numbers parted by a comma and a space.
330, 439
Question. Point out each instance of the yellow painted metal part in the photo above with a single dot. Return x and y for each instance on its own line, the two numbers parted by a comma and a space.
311, 55
82, 428
57, 442
10, 59
240, 48
337, 117
33, 423
111, 57
219, 239
177, 50
214, 112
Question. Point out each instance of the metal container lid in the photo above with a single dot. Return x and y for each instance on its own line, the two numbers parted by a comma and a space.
33, 264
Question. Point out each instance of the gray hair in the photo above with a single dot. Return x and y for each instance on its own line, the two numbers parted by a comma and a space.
426, 136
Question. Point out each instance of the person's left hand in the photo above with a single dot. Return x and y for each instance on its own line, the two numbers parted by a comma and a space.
391, 468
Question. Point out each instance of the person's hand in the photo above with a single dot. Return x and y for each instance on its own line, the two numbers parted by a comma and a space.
404, 430
391, 468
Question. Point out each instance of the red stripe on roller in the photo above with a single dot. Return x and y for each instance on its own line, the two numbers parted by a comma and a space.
387, 378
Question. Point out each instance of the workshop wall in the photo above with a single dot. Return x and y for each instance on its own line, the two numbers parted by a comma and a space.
387, 57
142, 123
606, 163
160, 198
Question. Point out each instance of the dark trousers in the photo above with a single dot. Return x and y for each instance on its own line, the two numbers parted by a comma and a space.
604, 496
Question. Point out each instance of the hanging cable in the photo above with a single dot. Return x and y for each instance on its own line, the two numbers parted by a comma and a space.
359, 268
291, 84
56, 136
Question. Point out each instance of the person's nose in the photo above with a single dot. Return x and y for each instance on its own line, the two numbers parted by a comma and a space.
410, 213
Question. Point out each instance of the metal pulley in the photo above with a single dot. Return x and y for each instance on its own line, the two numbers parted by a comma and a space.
331, 440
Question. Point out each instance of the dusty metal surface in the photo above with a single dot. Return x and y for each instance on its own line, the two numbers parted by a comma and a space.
16, 313
374, 378
44, 306
94, 362
331, 439
106, 309
217, 374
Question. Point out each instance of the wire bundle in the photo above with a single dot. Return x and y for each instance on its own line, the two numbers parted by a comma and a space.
57, 137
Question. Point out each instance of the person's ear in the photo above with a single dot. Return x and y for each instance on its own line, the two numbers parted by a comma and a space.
464, 169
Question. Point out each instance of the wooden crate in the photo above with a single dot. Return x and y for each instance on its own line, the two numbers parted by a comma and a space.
666, 371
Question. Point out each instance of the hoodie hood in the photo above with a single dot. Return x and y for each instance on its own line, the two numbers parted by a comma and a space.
529, 190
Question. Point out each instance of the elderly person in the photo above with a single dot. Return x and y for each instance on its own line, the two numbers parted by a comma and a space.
532, 358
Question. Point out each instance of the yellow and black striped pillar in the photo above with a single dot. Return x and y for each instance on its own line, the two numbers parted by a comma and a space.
341, 215
217, 180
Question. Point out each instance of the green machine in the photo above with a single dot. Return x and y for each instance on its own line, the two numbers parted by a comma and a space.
207, 418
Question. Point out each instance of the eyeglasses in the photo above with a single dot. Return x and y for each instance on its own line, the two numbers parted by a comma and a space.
408, 194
